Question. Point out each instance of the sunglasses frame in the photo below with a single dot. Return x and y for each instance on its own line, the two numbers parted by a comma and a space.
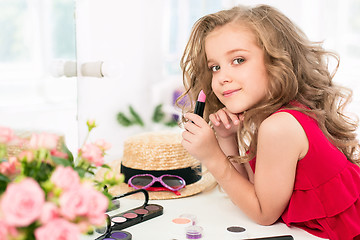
157, 179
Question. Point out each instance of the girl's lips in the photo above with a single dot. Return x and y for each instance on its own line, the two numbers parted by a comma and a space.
230, 92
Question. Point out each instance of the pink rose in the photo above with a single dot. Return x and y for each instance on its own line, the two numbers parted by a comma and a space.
49, 212
6, 134
22, 202
26, 156
65, 178
10, 167
43, 140
93, 154
74, 202
58, 229
59, 154
101, 143
6, 231
98, 204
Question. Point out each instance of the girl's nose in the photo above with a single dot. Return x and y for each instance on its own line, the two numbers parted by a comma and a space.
224, 77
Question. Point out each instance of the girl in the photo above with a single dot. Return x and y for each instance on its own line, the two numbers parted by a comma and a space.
278, 142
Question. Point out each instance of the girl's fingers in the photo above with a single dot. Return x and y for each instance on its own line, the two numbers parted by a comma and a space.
214, 119
224, 118
195, 119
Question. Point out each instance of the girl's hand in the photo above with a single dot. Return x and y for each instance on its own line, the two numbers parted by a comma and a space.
199, 139
225, 123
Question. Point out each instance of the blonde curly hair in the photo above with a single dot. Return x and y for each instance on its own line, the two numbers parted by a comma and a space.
297, 69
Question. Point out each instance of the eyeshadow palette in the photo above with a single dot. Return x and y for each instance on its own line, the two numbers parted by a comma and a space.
116, 235
135, 216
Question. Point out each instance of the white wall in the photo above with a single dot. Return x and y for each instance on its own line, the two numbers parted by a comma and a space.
122, 33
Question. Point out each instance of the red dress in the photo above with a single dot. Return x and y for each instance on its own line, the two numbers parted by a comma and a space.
326, 196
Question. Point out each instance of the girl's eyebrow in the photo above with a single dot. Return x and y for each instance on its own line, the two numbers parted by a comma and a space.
230, 52
236, 50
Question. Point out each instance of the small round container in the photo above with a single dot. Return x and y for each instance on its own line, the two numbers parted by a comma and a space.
189, 216
237, 232
194, 232
178, 226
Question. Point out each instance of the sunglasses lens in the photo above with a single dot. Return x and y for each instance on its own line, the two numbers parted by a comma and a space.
173, 182
141, 181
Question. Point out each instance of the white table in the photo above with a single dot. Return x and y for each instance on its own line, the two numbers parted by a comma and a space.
215, 213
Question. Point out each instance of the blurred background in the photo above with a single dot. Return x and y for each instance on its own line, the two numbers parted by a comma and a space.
63, 62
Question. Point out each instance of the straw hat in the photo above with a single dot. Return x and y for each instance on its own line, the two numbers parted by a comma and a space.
160, 153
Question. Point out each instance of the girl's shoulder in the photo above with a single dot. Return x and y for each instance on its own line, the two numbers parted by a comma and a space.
284, 129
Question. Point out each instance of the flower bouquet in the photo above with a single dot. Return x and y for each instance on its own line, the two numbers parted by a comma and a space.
47, 194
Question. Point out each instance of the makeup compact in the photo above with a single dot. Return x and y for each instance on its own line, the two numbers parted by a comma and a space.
115, 223
136, 215
237, 232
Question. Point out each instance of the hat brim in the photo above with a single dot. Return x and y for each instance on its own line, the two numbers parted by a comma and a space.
206, 182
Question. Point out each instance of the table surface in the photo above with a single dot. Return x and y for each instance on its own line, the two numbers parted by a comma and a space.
214, 212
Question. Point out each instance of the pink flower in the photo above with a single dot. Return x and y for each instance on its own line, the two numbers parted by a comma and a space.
3, 230
6, 134
74, 202
10, 167
98, 204
59, 154
86, 202
49, 212
57, 229
65, 178
43, 140
22, 202
101, 143
27, 156
93, 154
6, 230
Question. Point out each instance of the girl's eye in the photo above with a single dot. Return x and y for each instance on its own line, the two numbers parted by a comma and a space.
215, 68
238, 60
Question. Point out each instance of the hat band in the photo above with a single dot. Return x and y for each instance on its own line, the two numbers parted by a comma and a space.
189, 174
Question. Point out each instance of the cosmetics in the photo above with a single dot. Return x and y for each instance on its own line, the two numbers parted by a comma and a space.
282, 237
194, 232
200, 104
135, 216
116, 235
237, 232
192, 217
178, 226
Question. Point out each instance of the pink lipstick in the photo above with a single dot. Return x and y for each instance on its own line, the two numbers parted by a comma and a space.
200, 104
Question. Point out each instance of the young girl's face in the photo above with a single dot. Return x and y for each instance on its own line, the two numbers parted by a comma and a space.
239, 77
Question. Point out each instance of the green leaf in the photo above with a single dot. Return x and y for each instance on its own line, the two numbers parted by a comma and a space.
80, 171
105, 166
137, 119
61, 161
4, 178
158, 115
65, 149
172, 123
123, 120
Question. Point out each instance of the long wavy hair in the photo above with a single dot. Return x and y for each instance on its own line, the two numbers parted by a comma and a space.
297, 69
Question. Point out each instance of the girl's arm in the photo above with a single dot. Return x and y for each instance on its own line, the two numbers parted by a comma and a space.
281, 143
225, 125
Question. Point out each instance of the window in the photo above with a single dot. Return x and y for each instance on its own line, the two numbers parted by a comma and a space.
34, 33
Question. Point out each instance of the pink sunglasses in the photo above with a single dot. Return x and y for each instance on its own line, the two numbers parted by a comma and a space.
144, 181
